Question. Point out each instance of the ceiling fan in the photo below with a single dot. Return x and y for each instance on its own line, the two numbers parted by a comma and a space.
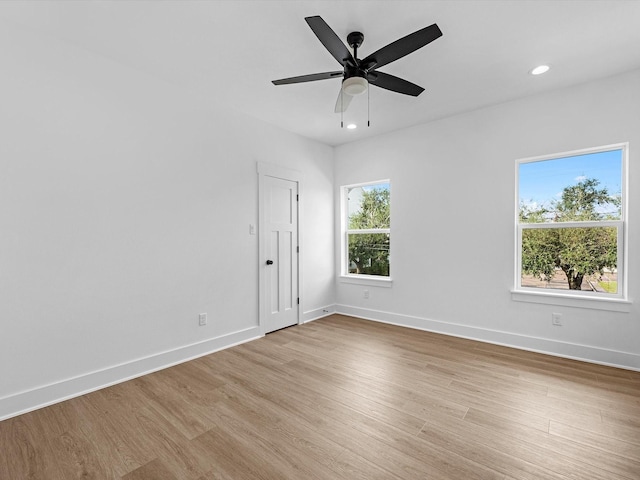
357, 74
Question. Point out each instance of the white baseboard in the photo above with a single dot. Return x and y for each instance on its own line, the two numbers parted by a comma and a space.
26, 401
318, 313
586, 353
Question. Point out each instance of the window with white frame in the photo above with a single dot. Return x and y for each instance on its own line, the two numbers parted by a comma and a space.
366, 229
570, 223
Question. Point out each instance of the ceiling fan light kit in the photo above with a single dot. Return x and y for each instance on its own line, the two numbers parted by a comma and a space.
355, 85
358, 74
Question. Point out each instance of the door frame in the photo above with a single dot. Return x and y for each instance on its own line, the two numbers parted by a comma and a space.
270, 170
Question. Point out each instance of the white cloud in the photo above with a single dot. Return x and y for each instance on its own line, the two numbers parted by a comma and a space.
580, 178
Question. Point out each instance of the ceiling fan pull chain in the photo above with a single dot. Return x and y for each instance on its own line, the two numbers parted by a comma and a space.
341, 110
368, 109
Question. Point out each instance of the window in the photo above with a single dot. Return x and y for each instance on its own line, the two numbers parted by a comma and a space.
366, 229
570, 223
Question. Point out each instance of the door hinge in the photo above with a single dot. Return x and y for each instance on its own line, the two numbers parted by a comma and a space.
297, 197
298, 300
298, 249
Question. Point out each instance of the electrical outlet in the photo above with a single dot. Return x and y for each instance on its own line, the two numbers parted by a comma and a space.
556, 319
365, 294
202, 319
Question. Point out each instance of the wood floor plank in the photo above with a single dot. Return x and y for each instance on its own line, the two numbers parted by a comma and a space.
350, 465
375, 440
516, 457
596, 395
610, 443
26, 450
77, 458
342, 399
233, 457
113, 437
619, 467
216, 474
267, 442
154, 470
177, 404
417, 403
308, 394
623, 418
358, 429
354, 432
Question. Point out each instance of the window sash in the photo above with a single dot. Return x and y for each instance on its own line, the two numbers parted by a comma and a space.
347, 263
617, 224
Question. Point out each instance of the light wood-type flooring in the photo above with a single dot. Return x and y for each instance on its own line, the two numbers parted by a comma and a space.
343, 398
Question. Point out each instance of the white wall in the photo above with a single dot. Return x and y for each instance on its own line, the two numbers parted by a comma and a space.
124, 213
452, 241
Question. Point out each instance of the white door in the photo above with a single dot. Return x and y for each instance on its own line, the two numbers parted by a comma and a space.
280, 250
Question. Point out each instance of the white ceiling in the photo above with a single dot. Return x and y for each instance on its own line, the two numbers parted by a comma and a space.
229, 51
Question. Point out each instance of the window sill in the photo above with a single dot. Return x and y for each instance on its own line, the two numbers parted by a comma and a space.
370, 280
563, 300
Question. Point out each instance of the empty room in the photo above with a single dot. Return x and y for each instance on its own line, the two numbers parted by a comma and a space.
319, 240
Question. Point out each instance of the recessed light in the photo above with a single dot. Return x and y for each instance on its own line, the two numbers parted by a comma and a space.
351, 126
540, 69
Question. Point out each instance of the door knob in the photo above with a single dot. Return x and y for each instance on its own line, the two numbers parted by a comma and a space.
269, 262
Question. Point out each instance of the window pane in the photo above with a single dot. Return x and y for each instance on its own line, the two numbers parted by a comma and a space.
583, 258
369, 253
368, 207
584, 187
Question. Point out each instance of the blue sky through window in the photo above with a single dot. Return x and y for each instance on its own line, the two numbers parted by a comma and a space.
377, 186
541, 182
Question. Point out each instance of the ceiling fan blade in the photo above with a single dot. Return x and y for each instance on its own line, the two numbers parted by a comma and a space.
401, 47
343, 101
308, 78
395, 84
330, 40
